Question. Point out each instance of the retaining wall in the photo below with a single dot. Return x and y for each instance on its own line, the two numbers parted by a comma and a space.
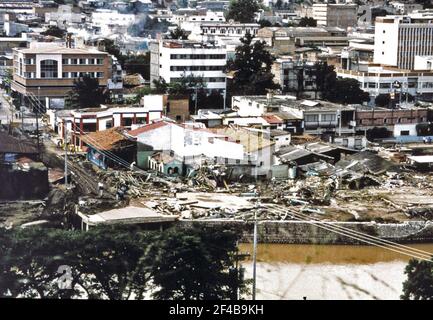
300, 232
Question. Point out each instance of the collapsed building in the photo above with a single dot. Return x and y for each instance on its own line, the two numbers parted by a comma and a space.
23, 176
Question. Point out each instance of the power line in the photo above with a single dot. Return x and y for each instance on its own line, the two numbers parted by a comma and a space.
401, 246
99, 148
363, 239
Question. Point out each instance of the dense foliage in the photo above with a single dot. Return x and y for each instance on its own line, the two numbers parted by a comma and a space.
86, 93
307, 22
251, 69
54, 31
119, 263
419, 283
243, 10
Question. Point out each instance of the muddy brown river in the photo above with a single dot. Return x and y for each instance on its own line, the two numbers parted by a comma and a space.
286, 271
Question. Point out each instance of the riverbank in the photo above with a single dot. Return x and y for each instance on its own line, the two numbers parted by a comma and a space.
292, 271
302, 232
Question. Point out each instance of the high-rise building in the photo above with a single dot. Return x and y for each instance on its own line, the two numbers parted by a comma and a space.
335, 15
398, 39
172, 59
48, 70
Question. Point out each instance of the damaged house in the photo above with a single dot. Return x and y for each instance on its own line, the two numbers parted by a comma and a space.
104, 146
23, 176
173, 148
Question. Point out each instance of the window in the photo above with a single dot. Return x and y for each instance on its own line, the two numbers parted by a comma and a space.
328, 117
89, 127
28, 61
65, 75
99, 61
99, 74
20, 70
91, 61
82, 61
74, 74
48, 69
127, 122
74, 61
312, 118
384, 85
345, 142
404, 132
65, 61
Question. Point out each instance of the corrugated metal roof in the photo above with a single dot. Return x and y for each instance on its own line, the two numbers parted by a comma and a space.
9, 144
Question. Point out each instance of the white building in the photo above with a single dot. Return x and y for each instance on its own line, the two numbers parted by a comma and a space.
187, 141
335, 15
379, 80
398, 39
65, 14
172, 59
405, 8
423, 63
108, 22
229, 29
189, 21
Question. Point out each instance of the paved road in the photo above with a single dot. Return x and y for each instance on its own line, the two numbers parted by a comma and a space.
6, 113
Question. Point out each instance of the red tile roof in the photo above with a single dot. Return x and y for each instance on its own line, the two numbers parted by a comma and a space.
272, 119
106, 139
147, 128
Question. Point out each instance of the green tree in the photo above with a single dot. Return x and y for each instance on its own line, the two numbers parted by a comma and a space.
110, 47
243, 10
382, 100
54, 31
179, 34
346, 91
139, 63
307, 22
251, 69
196, 264
265, 23
29, 266
160, 86
140, 93
279, 4
325, 78
86, 93
419, 282
186, 85
116, 262
112, 262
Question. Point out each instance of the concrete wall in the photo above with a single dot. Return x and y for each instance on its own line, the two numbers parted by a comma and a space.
300, 232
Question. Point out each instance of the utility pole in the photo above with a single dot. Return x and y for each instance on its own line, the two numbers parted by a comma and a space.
66, 153
225, 93
255, 250
196, 99
37, 122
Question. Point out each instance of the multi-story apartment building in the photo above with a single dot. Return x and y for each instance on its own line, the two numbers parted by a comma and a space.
295, 76
172, 59
48, 70
229, 29
76, 123
379, 80
108, 22
335, 15
398, 39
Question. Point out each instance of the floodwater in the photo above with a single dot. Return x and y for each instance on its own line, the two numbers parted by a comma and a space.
287, 271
